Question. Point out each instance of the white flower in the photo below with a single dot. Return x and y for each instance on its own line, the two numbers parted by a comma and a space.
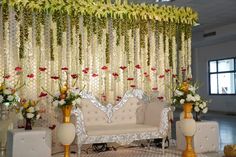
77, 101
201, 106
196, 104
178, 93
14, 104
57, 95
182, 101
196, 108
192, 89
20, 116
174, 101
10, 98
204, 104
7, 91
197, 97
61, 102
55, 103
29, 115
205, 110
31, 109
38, 116
36, 108
1, 98
190, 98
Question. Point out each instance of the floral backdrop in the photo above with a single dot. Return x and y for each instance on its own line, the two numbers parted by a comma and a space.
110, 47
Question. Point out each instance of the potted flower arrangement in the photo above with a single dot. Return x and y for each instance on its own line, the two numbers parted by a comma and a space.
28, 110
65, 99
185, 93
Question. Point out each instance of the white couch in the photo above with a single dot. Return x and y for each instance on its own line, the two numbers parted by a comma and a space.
131, 119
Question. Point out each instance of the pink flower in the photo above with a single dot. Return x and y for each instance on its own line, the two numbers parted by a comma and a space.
30, 75
85, 70
183, 69
146, 74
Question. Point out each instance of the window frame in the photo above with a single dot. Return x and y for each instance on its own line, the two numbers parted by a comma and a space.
222, 72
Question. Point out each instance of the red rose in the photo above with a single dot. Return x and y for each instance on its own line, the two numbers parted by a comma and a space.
174, 75
133, 86
54, 77
42, 69
130, 79
6, 76
160, 97
161, 76
64, 68
85, 70
189, 79
183, 69
153, 69
30, 75
115, 75
42, 94
154, 88
123, 67
104, 68
94, 75
74, 76
137, 66
18, 69
167, 70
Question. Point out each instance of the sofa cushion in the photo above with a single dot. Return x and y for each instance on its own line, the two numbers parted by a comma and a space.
97, 130
153, 113
128, 113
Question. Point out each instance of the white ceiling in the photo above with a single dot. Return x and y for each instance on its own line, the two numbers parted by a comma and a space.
212, 13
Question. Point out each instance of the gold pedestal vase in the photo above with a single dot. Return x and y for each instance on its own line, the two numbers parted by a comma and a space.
66, 131
188, 127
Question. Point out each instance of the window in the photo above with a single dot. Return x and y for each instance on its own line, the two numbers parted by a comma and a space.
222, 76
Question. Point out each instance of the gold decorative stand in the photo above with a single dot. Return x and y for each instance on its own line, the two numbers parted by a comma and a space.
66, 110
188, 152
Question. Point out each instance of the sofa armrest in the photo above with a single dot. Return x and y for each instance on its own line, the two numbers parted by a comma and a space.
156, 114
79, 125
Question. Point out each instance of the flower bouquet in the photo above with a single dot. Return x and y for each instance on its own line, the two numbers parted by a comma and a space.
185, 92
29, 111
8, 96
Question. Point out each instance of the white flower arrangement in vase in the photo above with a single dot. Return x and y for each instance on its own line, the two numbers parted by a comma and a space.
185, 92
29, 111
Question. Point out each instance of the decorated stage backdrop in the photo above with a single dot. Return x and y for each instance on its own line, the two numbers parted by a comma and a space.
110, 47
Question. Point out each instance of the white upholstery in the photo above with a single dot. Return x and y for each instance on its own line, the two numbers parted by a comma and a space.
205, 139
131, 113
92, 116
118, 129
33, 143
131, 119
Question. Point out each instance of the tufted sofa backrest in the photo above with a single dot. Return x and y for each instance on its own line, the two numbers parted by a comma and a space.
131, 113
92, 115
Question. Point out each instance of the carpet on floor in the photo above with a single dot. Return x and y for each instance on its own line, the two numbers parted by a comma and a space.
134, 152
